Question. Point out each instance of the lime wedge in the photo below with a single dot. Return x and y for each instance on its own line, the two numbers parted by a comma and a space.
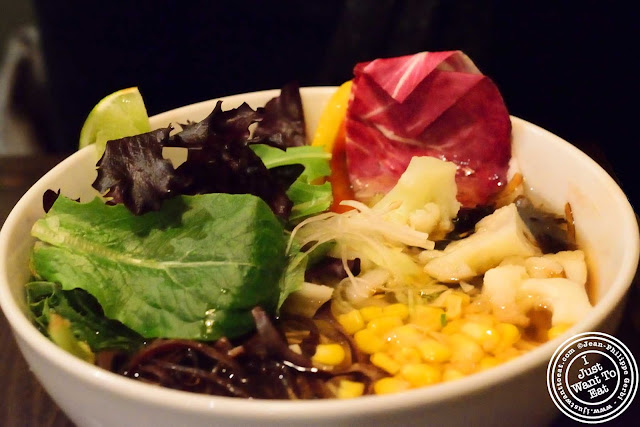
117, 115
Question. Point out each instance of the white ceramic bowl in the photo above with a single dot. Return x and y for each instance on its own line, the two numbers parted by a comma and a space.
605, 222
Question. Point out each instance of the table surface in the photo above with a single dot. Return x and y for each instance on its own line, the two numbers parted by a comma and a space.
24, 401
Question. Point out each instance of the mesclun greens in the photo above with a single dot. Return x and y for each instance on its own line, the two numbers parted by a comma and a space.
186, 252
87, 321
193, 269
308, 197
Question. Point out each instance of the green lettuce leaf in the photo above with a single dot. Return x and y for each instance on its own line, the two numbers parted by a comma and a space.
193, 270
307, 195
293, 275
87, 321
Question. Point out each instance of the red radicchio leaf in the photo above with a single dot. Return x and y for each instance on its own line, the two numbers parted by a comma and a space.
429, 104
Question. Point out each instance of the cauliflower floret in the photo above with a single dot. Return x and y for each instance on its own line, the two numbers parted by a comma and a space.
573, 263
500, 287
426, 219
498, 236
426, 194
567, 299
513, 289
542, 267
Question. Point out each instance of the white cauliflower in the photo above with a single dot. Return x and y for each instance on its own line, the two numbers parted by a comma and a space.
425, 196
498, 236
514, 288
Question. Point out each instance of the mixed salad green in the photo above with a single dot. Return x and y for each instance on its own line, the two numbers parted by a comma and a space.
184, 252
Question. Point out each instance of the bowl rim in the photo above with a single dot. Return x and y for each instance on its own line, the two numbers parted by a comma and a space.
124, 387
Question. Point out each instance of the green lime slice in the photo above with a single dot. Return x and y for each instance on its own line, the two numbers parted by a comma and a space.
117, 115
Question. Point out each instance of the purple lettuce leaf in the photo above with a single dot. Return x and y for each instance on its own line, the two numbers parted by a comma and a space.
283, 123
133, 171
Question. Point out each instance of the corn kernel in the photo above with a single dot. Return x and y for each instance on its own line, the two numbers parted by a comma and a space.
382, 325
509, 335
385, 362
451, 374
465, 349
421, 374
405, 355
428, 318
487, 337
368, 341
434, 351
349, 389
488, 362
370, 313
556, 331
483, 319
328, 354
404, 336
397, 310
452, 327
390, 385
352, 321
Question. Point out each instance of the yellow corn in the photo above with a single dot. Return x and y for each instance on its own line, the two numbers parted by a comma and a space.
483, 319
368, 341
429, 344
428, 318
488, 362
349, 389
405, 355
487, 337
396, 310
434, 351
509, 335
421, 374
370, 313
382, 325
390, 385
352, 321
464, 349
556, 331
385, 362
451, 374
452, 327
404, 336
328, 354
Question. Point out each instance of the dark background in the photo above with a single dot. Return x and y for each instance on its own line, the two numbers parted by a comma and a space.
564, 65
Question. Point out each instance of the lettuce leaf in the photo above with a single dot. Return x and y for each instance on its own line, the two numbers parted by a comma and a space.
192, 270
134, 172
282, 123
308, 196
87, 321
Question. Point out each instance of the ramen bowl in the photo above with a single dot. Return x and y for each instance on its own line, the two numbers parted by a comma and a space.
554, 171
